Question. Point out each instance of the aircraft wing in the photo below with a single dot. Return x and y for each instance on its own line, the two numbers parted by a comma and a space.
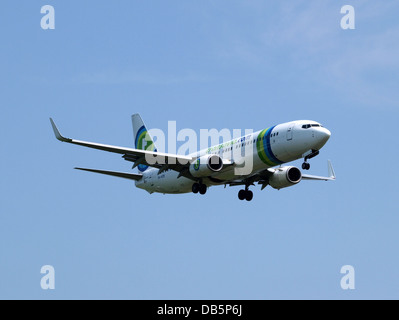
309, 177
260, 177
164, 161
130, 176
263, 177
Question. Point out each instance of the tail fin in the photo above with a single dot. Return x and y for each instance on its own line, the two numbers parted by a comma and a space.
142, 138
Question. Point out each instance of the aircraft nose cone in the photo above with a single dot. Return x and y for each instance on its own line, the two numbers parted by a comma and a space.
322, 136
325, 134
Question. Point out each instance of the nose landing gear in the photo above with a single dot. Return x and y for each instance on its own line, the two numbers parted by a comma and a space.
306, 165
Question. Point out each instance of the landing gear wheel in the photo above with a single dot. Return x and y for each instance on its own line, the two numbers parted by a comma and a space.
196, 188
245, 195
242, 195
202, 189
249, 195
306, 166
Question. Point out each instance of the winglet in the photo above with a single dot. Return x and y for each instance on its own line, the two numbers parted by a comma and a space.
57, 132
331, 174
331, 171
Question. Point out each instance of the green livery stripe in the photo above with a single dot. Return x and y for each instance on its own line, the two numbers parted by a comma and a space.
263, 146
150, 144
261, 151
139, 143
140, 140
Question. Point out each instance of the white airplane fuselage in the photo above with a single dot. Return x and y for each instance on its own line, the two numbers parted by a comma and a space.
258, 151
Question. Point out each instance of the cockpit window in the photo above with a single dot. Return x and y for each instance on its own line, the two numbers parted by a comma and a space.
307, 126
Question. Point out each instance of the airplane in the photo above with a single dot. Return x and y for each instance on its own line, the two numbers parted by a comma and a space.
269, 150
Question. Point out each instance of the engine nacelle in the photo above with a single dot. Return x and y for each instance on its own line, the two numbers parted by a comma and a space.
285, 177
206, 166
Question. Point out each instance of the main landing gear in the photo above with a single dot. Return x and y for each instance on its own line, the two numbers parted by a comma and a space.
199, 188
245, 194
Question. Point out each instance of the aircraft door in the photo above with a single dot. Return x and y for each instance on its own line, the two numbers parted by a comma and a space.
290, 132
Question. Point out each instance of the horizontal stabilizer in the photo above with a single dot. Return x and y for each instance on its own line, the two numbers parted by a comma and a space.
131, 176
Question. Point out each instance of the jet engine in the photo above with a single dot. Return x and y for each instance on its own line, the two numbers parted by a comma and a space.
285, 177
206, 166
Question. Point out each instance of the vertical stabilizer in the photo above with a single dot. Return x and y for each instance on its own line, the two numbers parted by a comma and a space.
142, 139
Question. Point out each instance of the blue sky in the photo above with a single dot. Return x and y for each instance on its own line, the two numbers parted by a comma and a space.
205, 64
